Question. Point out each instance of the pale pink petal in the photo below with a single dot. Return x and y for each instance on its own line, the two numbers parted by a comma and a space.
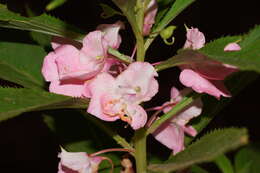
188, 113
199, 84
137, 115
189, 130
137, 82
68, 89
78, 161
93, 45
49, 67
171, 136
70, 64
149, 18
195, 39
100, 88
232, 47
174, 93
58, 41
111, 33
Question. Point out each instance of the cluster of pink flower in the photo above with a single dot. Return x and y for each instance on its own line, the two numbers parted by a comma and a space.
116, 90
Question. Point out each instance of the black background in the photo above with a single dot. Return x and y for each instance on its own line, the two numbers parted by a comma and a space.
26, 144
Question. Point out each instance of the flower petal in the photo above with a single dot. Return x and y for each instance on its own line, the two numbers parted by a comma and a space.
199, 84
232, 47
111, 33
100, 88
78, 161
137, 82
138, 116
149, 18
93, 45
195, 39
70, 89
171, 136
49, 67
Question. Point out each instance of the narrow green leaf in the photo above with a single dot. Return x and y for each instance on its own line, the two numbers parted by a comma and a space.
14, 101
21, 64
247, 160
224, 164
206, 149
44, 24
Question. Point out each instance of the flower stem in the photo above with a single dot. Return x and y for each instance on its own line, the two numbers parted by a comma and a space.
176, 109
140, 5
140, 150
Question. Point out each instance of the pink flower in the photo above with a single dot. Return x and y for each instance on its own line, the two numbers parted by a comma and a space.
78, 162
149, 17
119, 98
171, 133
232, 47
195, 39
205, 75
70, 65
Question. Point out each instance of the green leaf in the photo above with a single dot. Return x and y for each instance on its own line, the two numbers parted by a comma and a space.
42, 39
248, 58
247, 160
206, 149
15, 101
224, 164
21, 64
177, 7
54, 4
44, 24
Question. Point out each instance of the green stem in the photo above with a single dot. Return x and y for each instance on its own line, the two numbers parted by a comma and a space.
119, 56
140, 150
176, 109
120, 140
140, 5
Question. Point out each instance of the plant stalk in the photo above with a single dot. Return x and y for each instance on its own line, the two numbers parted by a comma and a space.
140, 150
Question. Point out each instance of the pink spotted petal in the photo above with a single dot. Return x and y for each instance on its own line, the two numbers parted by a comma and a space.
137, 82
93, 45
70, 89
49, 67
232, 47
189, 78
58, 41
138, 116
101, 88
171, 136
111, 33
149, 18
195, 39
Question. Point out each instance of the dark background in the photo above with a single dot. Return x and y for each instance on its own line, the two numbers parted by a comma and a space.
26, 144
